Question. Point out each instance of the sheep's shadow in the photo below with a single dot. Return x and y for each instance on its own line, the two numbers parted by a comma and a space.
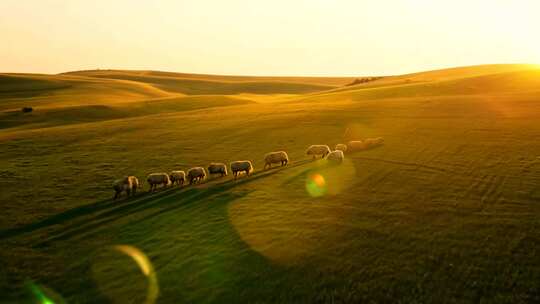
168, 200
75, 213
201, 209
84, 219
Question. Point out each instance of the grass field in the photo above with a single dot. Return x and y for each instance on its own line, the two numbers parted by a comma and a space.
447, 211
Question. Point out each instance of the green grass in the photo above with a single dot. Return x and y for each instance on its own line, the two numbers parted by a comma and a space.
57, 116
446, 211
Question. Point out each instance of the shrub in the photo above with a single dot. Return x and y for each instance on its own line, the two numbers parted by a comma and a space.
363, 80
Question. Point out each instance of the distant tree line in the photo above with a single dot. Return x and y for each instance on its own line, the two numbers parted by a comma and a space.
363, 80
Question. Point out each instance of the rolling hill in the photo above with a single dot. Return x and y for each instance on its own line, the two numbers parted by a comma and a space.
446, 210
48, 91
325, 81
191, 84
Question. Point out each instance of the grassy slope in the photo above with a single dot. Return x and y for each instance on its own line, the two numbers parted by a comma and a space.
447, 209
56, 116
49, 91
446, 75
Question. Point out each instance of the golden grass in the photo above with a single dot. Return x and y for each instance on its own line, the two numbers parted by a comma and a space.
446, 209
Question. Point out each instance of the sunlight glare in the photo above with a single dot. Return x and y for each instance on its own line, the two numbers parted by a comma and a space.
116, 276
137, 255
316, 185
43, 295
330, 179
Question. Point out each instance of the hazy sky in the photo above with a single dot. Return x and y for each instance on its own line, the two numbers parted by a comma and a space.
274, 37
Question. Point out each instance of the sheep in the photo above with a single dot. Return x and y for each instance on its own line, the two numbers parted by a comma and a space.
134, 184
119, 186
241, 166
276, 157
155, 179
335, 156
341, 147
368, 143
178, 177
218, 168
373, 142
129, 184
318, 150
196, 174
356, 145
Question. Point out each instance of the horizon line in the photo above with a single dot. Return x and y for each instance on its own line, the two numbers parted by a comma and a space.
276, 76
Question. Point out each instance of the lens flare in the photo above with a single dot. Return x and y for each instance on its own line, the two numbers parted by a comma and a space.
43, 295
329, 178
113, 274
316, 185
40, 295
327, 188
146, 267
138, 256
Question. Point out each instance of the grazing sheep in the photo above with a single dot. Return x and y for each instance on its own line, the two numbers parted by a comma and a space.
218, 168
341, 147
315, 150
134, 184
373, 142
129, 184
335, 156
196, 174
368, 143
119, 186
276, 157
178, 177
356, 145
241, 166
155, 179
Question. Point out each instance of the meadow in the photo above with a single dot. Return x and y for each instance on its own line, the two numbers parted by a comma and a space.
446, 211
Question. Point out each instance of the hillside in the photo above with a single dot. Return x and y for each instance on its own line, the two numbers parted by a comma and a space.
17, 90
525, 81
445, 75
446, 210
325, 81
198, 86
92, 96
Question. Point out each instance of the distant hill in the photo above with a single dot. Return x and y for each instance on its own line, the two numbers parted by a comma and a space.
329, 81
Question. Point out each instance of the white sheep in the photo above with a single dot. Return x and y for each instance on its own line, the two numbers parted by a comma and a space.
196, 174
134, 184
155, 179
335, 156
373, 142
240, 166
341, 147
276, 157
356, 145
368, 143
218, 168
178, 177
315, 150
129, 184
